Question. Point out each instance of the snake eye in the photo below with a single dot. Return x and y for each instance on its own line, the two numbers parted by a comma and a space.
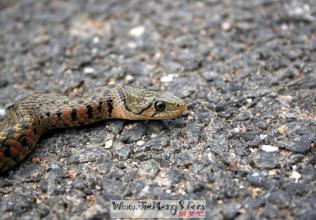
160, 106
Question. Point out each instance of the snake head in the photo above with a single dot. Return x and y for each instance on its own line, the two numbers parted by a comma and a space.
152, 104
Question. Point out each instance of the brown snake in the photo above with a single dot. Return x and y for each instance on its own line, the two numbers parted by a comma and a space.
28, 120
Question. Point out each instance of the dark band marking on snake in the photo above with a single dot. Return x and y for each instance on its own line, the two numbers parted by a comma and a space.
110, 106
89, 111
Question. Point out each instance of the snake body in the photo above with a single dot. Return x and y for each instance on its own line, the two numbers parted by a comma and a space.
26, 121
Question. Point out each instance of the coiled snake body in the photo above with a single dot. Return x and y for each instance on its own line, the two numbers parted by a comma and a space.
28, 120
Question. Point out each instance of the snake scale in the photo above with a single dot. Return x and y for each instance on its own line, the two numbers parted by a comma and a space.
26, 121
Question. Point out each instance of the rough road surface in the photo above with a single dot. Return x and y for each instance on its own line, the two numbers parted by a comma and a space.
246, 68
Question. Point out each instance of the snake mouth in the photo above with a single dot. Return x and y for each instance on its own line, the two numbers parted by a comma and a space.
183, 107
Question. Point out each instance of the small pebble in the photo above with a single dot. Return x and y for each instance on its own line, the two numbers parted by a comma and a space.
96, 40
168, 78
226, 26
295, 176
2, 113
137, 31
269, 148
89, 70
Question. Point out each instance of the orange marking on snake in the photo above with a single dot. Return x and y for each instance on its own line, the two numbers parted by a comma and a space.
29, 139
1, 154
18, 135
66, 112
14, 143
81, 113
28, 133
14, 150
66, 116
54, 116
15, 146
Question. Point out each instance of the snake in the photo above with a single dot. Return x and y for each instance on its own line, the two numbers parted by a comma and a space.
27, 120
